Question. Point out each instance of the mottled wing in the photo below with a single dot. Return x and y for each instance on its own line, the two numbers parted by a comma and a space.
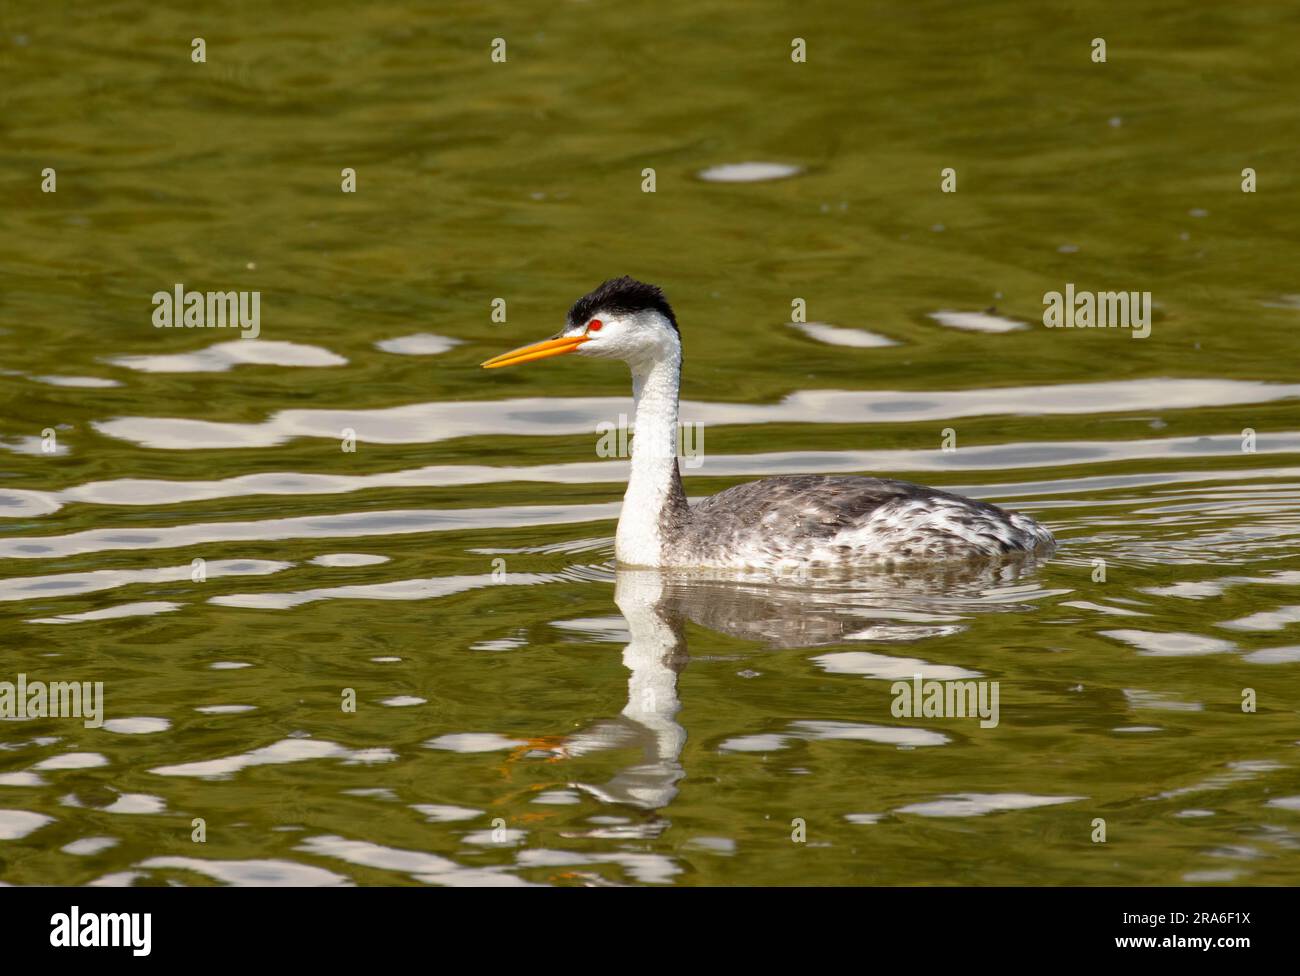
831, 519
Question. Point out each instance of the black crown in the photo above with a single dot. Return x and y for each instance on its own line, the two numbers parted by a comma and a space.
621, 295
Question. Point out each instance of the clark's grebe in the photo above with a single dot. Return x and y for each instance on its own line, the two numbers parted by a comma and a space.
785, 523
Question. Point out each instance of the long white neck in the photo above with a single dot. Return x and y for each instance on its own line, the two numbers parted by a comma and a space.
654, 507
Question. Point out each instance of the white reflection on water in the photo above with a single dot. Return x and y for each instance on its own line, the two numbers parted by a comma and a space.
748, 172
443, 813
423, 423
1171, 644
1139, 699
87, 846
1204, 589
137, 725
1275, 655
834, 335
84, 382
1238, 771
344, 525
419, 344
236, 352
134, 803
890, 735
285, 751
32, 444
269, 873
1275, 619
72, 760
19, 823
421, 865
148, 608
26, 503
77, 584
21, 778
979, 804
408, 589
887, 668
347, 559
977, 321
474, 742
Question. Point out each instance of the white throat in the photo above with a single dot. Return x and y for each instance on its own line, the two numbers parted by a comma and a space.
654, 492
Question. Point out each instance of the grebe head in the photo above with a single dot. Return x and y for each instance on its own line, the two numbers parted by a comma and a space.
622, 319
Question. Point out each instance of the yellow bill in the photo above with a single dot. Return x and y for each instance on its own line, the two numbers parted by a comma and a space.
538, 350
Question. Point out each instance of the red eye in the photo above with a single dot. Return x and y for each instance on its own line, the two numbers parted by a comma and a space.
594, 325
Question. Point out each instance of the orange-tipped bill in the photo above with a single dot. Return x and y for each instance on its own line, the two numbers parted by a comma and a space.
538, 350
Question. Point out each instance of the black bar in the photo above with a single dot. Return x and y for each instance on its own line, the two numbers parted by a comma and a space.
929, 925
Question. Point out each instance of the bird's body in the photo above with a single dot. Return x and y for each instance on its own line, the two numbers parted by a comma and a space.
785, 523
834, 522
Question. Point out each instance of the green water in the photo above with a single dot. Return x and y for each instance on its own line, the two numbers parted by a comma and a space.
523, 711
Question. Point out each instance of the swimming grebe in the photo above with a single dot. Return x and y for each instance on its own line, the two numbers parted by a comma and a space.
784, 523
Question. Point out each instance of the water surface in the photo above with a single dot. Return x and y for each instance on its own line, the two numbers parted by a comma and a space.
525, 711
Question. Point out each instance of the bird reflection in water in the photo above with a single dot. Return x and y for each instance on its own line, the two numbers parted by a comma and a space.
808, 612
